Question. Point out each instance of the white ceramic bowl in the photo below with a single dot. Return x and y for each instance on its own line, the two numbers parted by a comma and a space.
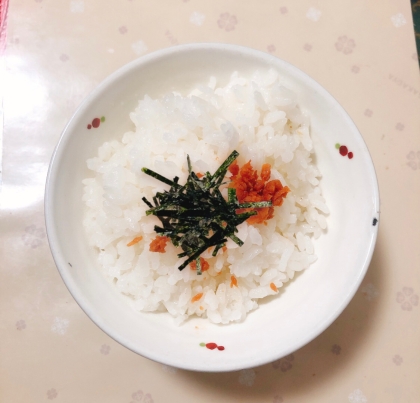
308, 304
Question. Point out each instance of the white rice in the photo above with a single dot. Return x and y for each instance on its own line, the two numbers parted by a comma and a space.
259, 118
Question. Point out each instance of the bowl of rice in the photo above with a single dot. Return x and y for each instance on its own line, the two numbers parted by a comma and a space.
211, 207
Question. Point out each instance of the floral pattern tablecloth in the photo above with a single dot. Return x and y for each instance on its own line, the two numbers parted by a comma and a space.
57, 51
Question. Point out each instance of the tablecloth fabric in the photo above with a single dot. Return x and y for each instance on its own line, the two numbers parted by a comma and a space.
362, 51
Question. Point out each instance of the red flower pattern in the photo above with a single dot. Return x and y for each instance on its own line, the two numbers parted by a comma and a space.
227, 22
407, 298
345, 45
336, 349
20, 325
413, 160
397, 359
105, 349
285, 363
52, 394
139, 396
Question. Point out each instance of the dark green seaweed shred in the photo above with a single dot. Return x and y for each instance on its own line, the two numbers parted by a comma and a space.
196, 216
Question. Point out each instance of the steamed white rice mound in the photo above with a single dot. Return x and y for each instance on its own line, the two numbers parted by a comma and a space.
258, 117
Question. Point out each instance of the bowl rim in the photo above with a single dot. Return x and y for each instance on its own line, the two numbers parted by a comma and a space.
59, 151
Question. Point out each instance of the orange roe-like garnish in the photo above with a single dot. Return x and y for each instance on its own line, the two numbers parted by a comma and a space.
273, 287
199, 175
266, 172
204, 264
196, 297
224, 248
250, 188
159, 244
234, 168
137, 239
233, 281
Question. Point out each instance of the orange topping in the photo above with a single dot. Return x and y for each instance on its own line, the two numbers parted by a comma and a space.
233, 281
159, 244
279, 196
266, 172
199, 175
250, 188
196, 297
137, 239
201, 307
273, 287
234, 168
204, 264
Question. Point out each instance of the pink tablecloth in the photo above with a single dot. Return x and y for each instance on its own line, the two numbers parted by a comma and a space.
362, 51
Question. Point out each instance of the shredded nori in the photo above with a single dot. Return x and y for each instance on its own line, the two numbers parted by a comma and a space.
196, 216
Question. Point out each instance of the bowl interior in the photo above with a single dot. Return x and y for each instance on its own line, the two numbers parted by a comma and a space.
305, 306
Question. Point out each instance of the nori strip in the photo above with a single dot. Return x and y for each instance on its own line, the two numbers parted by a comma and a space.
196, 216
